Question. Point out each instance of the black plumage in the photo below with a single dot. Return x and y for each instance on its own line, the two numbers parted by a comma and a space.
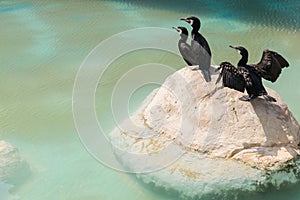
184, 48
249, 77
200, 47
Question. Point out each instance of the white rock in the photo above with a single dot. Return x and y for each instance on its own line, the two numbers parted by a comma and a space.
8, 155
11, 163
213, 120
198, 138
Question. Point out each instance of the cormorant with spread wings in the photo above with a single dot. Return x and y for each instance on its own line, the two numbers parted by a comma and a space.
249, 77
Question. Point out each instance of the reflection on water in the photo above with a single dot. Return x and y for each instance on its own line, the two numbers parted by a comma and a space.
43, 45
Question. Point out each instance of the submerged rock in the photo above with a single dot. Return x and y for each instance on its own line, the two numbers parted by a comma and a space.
199, 138
12, 167
9, 157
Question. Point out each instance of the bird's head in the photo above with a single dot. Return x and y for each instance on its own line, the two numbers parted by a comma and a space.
181, 30
193, 21
242, 50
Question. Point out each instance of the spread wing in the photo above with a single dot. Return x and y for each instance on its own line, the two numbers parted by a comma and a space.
187, 54
270, 65
235, 78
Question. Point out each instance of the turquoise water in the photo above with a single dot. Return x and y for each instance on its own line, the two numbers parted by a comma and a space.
42, 47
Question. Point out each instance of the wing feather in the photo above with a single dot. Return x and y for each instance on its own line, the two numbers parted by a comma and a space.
187, 54
235, 78
270, 65
202, 56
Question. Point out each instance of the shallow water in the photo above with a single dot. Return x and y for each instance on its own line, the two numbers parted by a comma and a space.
42, 47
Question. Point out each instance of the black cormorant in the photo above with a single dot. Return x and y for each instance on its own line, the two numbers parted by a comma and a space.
249, 77
200, 47
184, 48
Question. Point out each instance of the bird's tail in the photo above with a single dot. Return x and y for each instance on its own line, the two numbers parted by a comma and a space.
206, 75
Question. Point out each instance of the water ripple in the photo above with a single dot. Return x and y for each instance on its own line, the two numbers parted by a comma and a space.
270, 13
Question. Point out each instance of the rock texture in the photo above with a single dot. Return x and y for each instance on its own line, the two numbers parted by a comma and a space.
218, 142
11, 163
212, 120
9, 156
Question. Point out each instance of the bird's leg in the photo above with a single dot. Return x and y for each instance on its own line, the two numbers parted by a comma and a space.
252, 96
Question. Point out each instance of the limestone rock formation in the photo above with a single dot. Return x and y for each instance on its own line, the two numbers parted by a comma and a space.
212, 120
212, 138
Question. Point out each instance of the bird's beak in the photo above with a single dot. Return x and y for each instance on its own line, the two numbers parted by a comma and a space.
175, 28
233, 47
186, 20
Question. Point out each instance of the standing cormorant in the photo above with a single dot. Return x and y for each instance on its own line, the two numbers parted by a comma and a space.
184, 48
249, 77
200, 47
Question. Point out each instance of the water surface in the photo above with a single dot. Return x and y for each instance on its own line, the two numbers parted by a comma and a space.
42, 47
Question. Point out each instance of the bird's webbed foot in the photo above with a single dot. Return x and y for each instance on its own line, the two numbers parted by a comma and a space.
247, 98
269, 98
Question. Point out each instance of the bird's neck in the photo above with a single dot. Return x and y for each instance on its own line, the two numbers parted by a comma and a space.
195, 29
243, 61
183, 38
